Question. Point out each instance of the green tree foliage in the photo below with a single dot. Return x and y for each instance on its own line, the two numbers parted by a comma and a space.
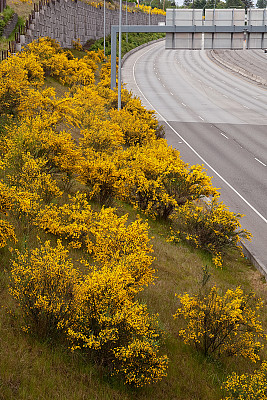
261, 4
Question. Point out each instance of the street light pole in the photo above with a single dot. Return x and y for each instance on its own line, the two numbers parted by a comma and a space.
149, 19
119, 66
104, 29
126, 19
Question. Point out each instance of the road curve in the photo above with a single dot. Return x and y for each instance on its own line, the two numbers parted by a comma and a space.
214, 118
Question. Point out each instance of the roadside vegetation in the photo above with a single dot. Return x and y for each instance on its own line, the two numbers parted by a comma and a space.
121, 275
129, 42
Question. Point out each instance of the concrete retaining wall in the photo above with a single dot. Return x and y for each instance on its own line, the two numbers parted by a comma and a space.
67, 20
9, 28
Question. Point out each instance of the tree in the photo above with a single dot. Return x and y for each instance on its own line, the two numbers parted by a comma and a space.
195, 4
261, 4
234, 4
188, 3
248, 4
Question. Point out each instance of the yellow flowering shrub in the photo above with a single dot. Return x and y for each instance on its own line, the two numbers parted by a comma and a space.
150, 10
6, 198
7, 233
139, 125
96, 56
158, 180
71, 221
247, 386
111, 240
76, 44
32, 136
101, 174
134, 106
108, 238
22, 204
222, 324
109, 96
105, 72
135, 130
139, 363
69, 72
29, 62
89, 105
42, 282
44, 48
116, 330
61, 64
31, 177
102, 136
17, 76
210, 226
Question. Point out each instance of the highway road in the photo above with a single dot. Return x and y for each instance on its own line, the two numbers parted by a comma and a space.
213, 117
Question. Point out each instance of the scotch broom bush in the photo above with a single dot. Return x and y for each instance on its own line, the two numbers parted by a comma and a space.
7, 233
222, 324
159, 180
42, 282
105, 236
115, 329
247, 386
210, 226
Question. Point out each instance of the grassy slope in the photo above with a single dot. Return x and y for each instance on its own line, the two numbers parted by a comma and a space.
31, 370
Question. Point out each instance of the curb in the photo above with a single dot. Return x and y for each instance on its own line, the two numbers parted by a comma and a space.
239, 70
254, 260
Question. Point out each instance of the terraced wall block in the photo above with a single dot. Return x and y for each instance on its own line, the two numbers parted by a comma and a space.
67, 20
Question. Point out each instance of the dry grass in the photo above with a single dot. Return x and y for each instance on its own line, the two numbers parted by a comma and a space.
23, 9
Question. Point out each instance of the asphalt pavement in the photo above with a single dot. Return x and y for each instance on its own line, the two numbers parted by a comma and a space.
213, 117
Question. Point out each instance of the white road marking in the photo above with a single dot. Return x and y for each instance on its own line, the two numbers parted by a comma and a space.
224, 135
191, 148
260, 162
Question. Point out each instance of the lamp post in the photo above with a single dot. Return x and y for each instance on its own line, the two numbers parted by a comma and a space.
104, 29
126, 18
119, 66
149, 18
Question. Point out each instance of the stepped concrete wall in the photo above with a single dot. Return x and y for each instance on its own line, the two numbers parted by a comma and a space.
8, 29
2, 5
67, 20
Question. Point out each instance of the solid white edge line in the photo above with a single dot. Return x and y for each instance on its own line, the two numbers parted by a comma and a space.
260, 161
191, 148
